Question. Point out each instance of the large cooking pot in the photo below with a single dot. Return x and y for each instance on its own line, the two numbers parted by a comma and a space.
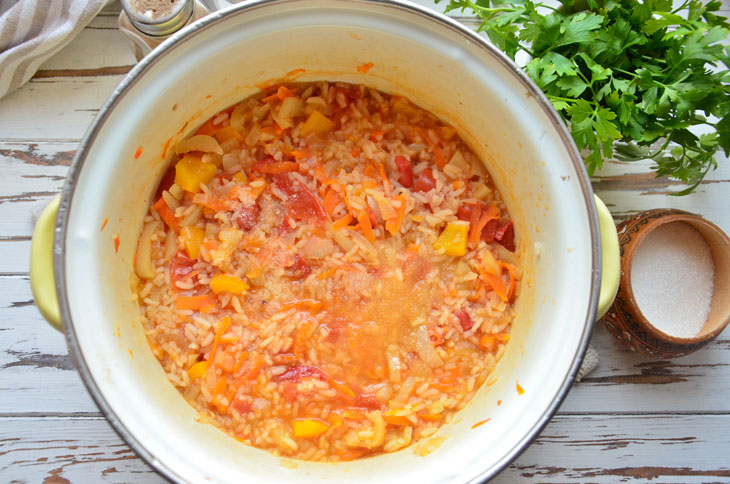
438, 64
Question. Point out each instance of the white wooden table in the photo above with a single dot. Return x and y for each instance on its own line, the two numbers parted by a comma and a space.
633, 419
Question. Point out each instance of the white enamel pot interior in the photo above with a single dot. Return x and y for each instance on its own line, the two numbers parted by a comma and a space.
439, 65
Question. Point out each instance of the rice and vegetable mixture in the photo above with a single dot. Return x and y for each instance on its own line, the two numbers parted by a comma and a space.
327, 272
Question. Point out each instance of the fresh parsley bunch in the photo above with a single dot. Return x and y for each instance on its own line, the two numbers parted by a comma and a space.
642, 73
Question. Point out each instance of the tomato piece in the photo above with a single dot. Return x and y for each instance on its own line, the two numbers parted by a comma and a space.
167, 180
303, 204
242, 406
296, 373
425, 181
180, 267
406, 171
246, 217
367, 400
489, 230
300, 267
505, 235
464, 319
465, 211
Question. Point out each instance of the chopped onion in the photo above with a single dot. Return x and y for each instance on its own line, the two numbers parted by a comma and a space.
170, 244
385, 206
171, 201
405, 390
282, 121
200, 142
231, 163
394, 365
238, 117
506, 256
143, 265
254, 134
176, 191
342, 240
374, 207
490, 264
193, 217
291, 107
261, 111
425, 349
364, 244
317, 248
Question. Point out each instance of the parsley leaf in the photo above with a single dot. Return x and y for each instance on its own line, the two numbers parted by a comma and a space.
632, 79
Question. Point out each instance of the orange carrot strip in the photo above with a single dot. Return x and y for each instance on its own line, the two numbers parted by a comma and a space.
363, 219
497, 285
331, 200
196, 302
438, 156
475, 233
299, 155
106, 221
386, 182
283, 92
342, 223
396, 420
428, 417
116, 243
486, 341
138, 153
393, 225
512, 279
166, 214
270, 98
482, 422
370, 171
342, 387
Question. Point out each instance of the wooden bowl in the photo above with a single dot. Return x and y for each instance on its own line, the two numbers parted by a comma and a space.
625, 320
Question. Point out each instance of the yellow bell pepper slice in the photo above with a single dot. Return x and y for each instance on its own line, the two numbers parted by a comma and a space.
192, 238
309, 427
228, 283
240, 177
317, 123
190, 172
198, 369
453, 239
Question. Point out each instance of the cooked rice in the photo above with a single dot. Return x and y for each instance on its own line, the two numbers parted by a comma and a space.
342, 345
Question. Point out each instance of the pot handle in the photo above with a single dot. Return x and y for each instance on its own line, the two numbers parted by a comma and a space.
611, 259
42, 281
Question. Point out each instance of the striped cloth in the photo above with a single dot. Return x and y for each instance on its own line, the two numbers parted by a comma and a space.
31, 31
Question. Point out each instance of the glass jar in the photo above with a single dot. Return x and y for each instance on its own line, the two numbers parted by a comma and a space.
147, 23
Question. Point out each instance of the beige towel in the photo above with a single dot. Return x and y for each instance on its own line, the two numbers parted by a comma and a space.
31, 31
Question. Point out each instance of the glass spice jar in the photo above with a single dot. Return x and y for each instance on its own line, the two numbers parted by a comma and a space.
147, 23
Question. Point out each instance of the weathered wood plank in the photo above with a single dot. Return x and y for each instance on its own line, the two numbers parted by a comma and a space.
628, 382
69, 105
602, 449
32, 175
628, 188
15, 255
